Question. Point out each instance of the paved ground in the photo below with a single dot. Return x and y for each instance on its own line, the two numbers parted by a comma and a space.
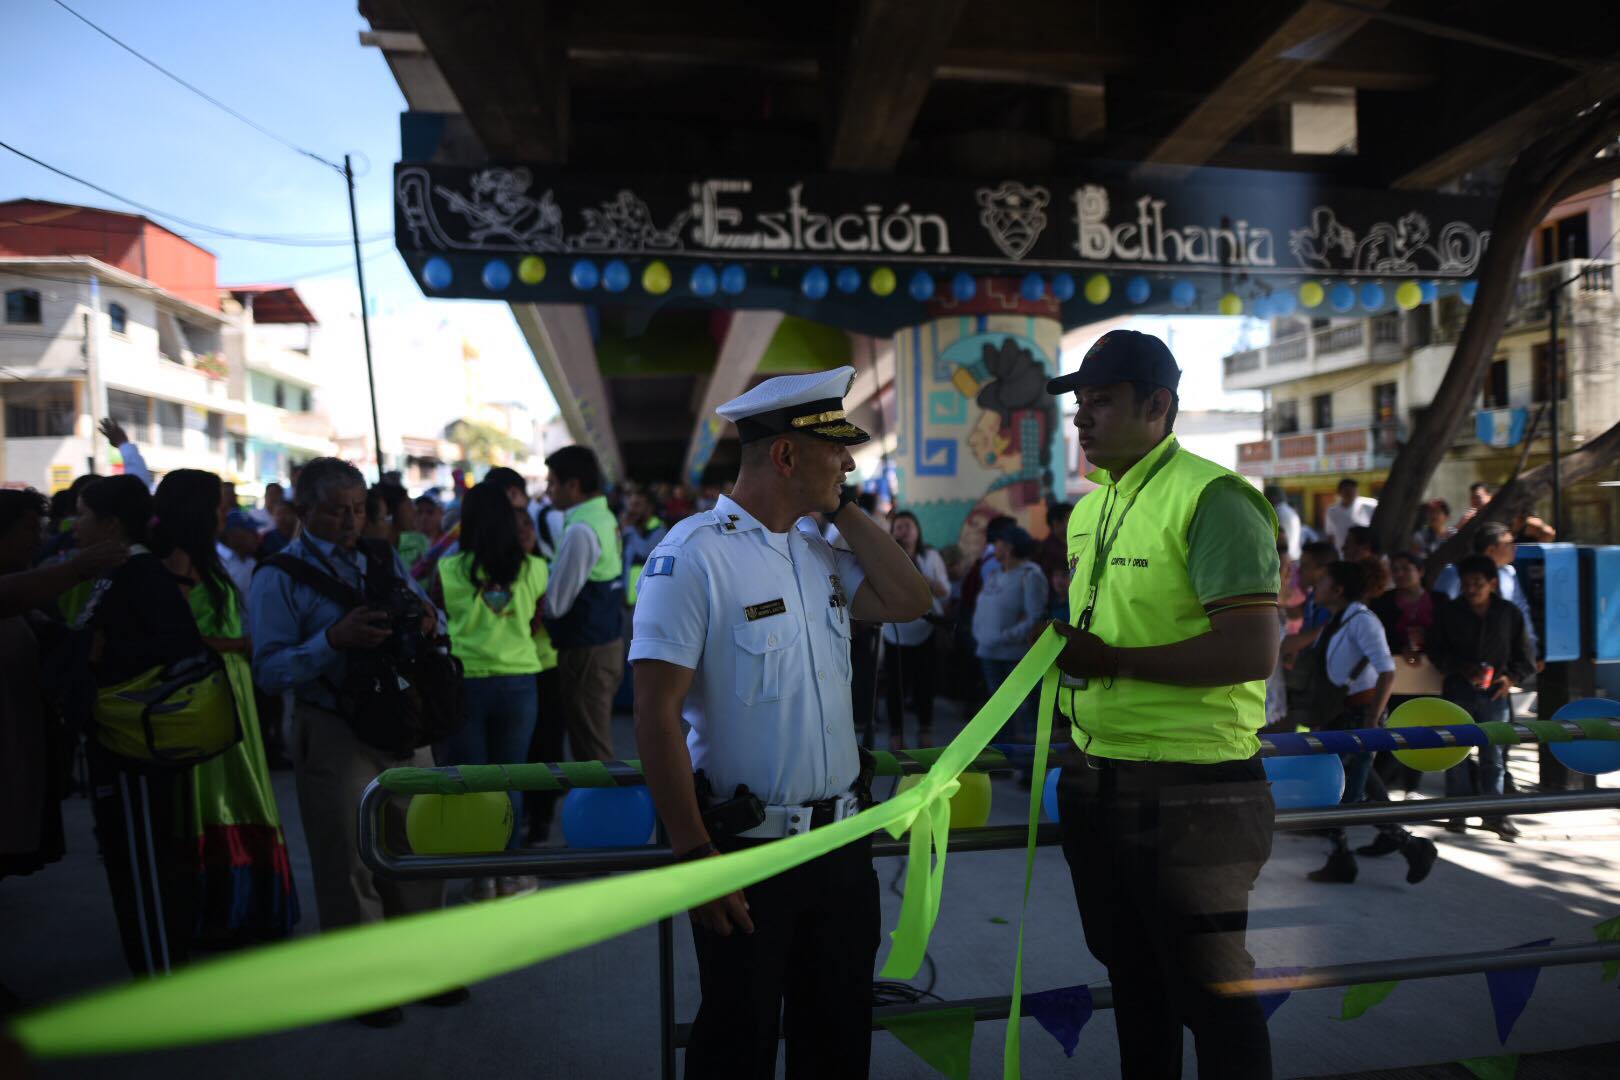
595, 1012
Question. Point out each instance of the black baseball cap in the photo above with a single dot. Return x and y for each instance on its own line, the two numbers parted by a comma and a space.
1122, 356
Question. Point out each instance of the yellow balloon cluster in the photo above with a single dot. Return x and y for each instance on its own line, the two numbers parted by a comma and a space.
1311, 294
1231, 304
882, 281
656, 278
1098, 288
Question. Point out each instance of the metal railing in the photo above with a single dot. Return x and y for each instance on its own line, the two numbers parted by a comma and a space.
380, 859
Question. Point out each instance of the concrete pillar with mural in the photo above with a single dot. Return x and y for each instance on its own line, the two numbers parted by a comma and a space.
979, 435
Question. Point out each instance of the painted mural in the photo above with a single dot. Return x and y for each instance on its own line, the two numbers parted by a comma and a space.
979, 434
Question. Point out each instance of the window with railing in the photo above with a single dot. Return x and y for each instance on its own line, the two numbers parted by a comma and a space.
171, 423
1496, 385
1340, 338
1562, 240
131, 412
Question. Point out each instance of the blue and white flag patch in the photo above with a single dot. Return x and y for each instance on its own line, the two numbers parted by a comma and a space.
660, 566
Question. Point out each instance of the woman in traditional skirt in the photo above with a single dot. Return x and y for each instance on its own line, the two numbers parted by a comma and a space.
245, 887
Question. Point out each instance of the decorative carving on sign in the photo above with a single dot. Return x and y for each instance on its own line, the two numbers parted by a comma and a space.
1399, 247
1014, 215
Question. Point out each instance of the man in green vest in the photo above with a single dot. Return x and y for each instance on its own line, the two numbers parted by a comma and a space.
1165, 809
584, 606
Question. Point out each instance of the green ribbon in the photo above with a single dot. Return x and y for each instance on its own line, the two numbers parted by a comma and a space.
1011, 1062
344, 972
943, 1039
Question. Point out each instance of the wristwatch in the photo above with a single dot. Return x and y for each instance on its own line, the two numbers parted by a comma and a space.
703, 850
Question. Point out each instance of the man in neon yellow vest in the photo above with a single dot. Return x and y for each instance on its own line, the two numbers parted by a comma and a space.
643, 531
584, 607
1165, 809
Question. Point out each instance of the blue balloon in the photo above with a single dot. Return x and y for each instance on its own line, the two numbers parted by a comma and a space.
704, 280
1591, 756
1260, 307
1184, 294
849, 280
584, 274
963, 287
1428, 290
1342, 297
1284, 303
1372, 296
1305, 780
1033, 288
815, 283
616, 276
436, 273
1467, 290
497, 275
1062, 288
1049, 801
608, 817
921, 286
733, 280
1137, 290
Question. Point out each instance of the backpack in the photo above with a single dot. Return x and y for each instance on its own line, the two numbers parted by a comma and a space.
405, 693
1327, 698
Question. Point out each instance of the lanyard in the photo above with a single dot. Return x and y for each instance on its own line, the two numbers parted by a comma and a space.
1105, 539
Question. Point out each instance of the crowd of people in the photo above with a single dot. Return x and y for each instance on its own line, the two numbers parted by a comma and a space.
1362, 635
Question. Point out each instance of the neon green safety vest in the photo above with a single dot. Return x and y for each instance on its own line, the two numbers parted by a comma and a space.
1145, 597
486, 641
595, 513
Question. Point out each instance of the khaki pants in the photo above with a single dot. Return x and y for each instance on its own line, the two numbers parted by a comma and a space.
588, 678
333, 767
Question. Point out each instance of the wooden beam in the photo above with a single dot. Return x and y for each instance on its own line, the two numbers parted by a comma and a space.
886, 68
747, 337
506, 64
1310, 34
1509, 131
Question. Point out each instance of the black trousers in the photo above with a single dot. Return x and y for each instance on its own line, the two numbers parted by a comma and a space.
151, 870
863, 658
1163, 858
805, 972
546, 744
909, 667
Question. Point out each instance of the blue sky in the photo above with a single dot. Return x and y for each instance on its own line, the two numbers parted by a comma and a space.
297, 67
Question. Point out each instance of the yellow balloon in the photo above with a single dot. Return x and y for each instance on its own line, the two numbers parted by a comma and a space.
970, 806
1311, 294
882, 281
1098, 288
655, 279
1408, 295
1231, 304
1430, 712
532, 270
459, 824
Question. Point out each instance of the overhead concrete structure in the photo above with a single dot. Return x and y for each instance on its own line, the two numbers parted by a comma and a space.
1369, 96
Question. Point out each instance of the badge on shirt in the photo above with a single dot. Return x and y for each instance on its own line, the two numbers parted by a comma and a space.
765, 610
660, 566
838, 599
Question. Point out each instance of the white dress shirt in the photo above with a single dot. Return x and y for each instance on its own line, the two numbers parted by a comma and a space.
763, 619
1340, 518
1360, 635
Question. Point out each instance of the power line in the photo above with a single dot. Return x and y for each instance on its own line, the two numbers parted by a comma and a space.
258, 238
218, 104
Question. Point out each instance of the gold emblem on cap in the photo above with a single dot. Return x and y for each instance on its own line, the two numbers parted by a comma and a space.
818, 418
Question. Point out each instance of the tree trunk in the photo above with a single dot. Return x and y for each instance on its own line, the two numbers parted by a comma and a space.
1523, 492
1541, 174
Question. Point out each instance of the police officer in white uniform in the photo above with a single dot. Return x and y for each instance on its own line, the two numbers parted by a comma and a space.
742, 630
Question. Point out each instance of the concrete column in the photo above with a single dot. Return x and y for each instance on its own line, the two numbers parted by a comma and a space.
978, 434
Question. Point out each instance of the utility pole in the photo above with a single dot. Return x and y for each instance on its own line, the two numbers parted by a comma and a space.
365, 319
1555, 390
90, 349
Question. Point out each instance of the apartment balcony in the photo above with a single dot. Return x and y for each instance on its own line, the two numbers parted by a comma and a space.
1590, 283
1375, 340
1335, 451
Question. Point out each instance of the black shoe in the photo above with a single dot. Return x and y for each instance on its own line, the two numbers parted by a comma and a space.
1456, 826
1386, 844
1420, 854
1504, 828
383, 1018
1340, 869
456, 996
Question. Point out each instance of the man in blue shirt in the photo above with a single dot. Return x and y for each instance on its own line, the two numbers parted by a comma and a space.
300, 639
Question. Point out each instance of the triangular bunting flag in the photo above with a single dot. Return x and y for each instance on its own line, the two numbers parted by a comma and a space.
1501, 1067
1272, 1001
1510, 992
943, 1039
1609, 930
1358, 999
1062, 1013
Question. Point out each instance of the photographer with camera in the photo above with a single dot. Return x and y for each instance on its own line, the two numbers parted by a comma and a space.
331, 613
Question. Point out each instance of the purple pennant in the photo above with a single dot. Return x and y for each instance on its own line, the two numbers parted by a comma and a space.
1273, 1001
1062, 1013
1511, 990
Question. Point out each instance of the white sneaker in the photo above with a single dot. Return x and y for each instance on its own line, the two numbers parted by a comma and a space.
520, 885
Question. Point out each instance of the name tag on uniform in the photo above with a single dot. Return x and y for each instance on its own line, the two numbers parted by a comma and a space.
662, 566
768, 608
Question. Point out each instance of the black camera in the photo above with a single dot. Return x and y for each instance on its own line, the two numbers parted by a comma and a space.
405, 611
